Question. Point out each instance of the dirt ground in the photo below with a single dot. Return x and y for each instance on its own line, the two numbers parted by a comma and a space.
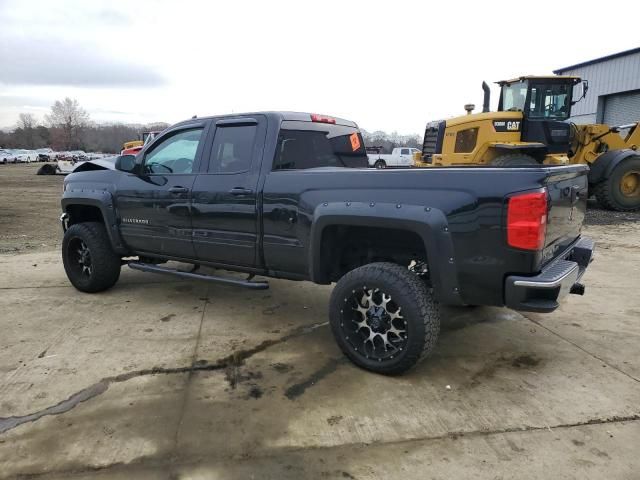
160, 378
30, 209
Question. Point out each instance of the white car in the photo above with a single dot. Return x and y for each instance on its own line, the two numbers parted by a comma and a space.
6, 156
399, 157
78, 154
45, 154
25, 156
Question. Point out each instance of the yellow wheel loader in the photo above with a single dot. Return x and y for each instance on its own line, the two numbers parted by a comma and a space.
531, 128
614, 161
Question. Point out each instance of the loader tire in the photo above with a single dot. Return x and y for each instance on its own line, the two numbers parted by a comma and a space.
514, 160
89, 261
621, 190
384, 318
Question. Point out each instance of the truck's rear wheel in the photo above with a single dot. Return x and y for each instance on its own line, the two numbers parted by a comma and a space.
514, 160
621, 190
89, 261
380, 164
384, 318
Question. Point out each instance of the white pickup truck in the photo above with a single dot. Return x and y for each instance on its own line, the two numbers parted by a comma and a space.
399, 157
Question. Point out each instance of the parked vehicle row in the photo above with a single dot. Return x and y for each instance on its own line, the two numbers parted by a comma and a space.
18, 156
47, 155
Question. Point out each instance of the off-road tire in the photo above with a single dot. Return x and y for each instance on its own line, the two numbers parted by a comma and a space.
105, 262
608, 192
380, 164
514, 160
409, 292
46, 169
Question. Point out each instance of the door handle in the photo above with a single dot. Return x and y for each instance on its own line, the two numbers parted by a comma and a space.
177, 190
240, 191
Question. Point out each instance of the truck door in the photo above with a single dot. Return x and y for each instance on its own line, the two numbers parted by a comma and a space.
405, 157
153, 205
225, 213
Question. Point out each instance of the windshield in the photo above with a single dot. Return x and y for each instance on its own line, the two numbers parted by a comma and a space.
514, 96
549, 101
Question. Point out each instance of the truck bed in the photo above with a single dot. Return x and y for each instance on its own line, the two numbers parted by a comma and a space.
463, 207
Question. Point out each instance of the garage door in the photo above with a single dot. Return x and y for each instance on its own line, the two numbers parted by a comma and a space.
622, 108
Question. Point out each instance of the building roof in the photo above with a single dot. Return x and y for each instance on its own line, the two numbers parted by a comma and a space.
598, 60
539, 77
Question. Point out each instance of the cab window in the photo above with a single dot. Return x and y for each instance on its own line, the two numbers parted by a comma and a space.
232, 149
549, 101
174, 154
304, 145
514, 97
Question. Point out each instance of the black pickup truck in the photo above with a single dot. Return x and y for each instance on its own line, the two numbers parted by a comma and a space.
289, 195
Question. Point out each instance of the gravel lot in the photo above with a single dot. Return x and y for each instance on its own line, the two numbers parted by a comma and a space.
169, 379
597, 215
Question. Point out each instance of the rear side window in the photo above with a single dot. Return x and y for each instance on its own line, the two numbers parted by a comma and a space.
232, 149
303, 145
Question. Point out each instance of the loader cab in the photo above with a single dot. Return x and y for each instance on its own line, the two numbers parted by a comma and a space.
545, 103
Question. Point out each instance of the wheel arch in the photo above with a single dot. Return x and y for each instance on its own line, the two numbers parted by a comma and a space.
94, 206
428, 224
604, 165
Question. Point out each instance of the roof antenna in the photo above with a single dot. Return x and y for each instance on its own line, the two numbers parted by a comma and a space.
195, 116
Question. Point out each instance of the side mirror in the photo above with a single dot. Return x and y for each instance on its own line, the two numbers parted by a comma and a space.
126, 163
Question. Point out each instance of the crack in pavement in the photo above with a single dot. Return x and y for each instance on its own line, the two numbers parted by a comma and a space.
163, 462
234, 359
582, 349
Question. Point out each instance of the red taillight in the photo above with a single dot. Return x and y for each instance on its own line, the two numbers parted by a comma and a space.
527, 220
322, 118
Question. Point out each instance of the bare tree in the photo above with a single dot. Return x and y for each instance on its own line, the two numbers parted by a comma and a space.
26, 121
26, 127
69, 119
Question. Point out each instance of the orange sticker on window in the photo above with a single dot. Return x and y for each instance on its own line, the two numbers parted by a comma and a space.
355, 141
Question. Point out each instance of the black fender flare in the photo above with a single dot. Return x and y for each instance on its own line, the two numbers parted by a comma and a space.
604, 165
103, 200
429, 223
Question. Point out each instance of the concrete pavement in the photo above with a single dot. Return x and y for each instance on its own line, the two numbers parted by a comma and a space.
159, 378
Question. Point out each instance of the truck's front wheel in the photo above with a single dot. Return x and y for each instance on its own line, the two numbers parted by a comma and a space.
89, 261
384, 317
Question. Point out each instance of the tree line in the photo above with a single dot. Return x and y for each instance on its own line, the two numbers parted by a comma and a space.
68, 127
389, 141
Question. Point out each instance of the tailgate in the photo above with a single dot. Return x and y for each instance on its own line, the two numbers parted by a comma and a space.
568, 192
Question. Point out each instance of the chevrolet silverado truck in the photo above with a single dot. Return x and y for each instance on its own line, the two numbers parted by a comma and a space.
289, 195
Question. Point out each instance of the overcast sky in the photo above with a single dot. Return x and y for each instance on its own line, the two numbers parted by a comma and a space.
388, 65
